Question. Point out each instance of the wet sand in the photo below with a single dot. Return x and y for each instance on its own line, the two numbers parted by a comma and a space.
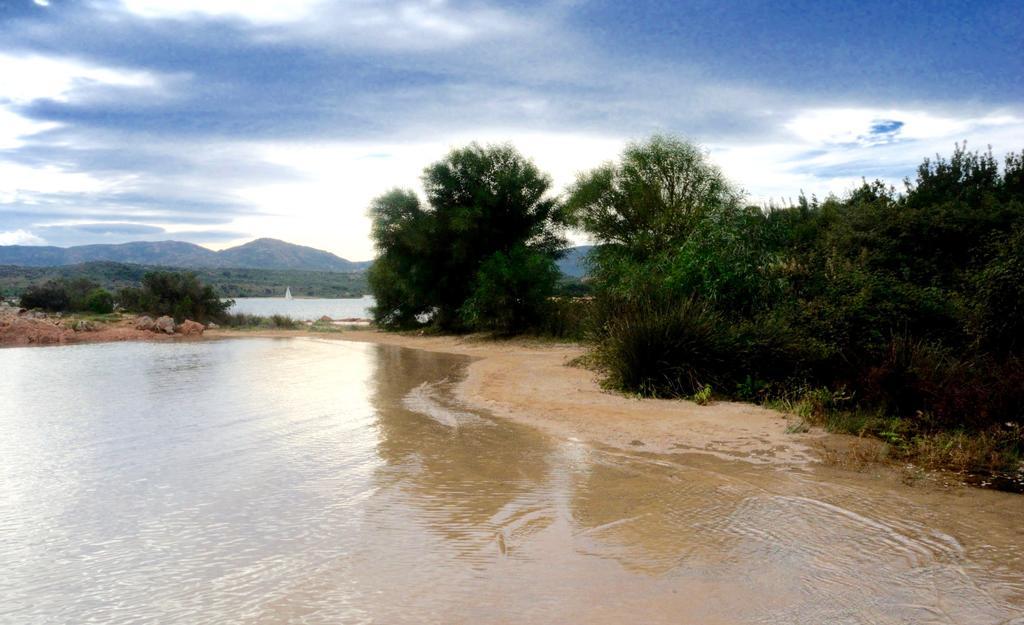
532, 382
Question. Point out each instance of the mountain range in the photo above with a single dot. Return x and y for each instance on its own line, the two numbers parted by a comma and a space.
257, 254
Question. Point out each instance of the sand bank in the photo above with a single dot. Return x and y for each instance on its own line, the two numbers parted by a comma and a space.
532, 382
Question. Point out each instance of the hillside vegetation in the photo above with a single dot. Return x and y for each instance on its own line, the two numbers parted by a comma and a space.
228, 282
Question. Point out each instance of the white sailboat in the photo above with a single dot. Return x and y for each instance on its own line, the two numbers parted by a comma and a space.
287, 292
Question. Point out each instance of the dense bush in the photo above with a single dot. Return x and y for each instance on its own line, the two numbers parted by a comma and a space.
52, 296
77, 295
666, 349
511, 291
909, 303
100, 301
179, 295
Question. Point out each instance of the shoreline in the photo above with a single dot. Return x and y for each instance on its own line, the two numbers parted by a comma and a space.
532, 382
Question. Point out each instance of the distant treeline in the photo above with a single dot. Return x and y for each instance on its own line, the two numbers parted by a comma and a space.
177, 294
228, 282
895, 313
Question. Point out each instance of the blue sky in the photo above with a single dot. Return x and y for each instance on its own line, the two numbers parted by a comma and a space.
218, 121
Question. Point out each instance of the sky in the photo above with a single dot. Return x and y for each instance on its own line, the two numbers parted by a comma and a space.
220, 121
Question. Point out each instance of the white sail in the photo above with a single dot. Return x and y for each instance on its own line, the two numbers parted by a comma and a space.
288, 292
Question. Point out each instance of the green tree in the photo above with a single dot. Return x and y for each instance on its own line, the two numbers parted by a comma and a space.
511, 291
100, 301
652, 199
481, 201
178, 294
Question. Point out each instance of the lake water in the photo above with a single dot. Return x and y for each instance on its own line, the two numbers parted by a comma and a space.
309, 481
306, 308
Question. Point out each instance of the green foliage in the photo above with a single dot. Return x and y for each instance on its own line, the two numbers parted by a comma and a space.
511, 291
997, 295
663, 348
52, 296
61, 295
703, 396
179, 295
456, 260
910, 303
100, 301
652, 199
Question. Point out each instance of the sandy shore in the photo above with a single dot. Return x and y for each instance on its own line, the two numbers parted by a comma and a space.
532, 382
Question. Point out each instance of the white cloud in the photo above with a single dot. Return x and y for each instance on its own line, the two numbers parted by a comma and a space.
21, 183
375, 24
34, 77
832, 149
256, 11
20, 237
14, 129
827, 126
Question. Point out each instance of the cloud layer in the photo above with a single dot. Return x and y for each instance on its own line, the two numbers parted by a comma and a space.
215, 121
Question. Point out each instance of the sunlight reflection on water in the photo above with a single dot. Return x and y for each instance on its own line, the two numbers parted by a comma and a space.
305, 480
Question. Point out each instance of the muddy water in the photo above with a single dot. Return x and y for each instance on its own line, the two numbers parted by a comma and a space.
305, 481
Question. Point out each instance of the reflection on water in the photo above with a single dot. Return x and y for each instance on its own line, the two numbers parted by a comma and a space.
297, 480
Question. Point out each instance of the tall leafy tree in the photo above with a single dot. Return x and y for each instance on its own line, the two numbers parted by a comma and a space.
484, 203
652, 199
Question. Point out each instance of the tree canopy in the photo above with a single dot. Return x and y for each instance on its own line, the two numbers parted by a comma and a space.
488, 214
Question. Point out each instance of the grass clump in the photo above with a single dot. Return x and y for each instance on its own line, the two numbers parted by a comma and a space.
272, 322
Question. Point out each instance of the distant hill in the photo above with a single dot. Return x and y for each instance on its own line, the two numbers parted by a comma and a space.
258, 254
574, 263
229, 282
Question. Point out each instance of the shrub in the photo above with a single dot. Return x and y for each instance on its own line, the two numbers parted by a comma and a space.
660, 348
52, 296
60, 295
282, 322
180, 295
242, 320
100, 301
511, 291
566, 318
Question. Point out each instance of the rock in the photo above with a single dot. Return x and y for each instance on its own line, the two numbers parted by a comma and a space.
83, 325
164, 324
146, 323
212, 326
191, 328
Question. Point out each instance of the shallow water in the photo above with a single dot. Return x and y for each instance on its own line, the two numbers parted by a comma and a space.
306, 308
308, 481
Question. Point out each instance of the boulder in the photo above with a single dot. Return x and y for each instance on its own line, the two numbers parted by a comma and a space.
191, 328
164, 324
212, 326
146, 323
83, 325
